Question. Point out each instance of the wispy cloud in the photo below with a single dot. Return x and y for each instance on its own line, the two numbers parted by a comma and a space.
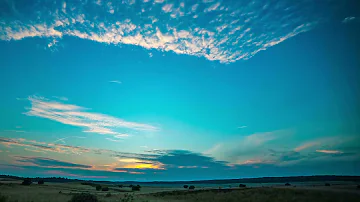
16, 131
329, 151
78, 116
61, 98
116, 81
36, 146
241, 127
66, 174
348, 19
247, 27
47, 162
306, 146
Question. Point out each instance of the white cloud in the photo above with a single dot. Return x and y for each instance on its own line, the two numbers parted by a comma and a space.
64, 7
213, 7
194, 7
78, 116
330, 151
241, 127
167, 8
116, 81
61, 98
251, 30
348, 19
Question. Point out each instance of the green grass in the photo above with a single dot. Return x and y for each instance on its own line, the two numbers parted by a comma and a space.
63, 192
260, 195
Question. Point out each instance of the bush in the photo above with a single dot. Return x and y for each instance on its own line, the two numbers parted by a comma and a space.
98, 187
186, 186
192, 187
287, 184
108, 195
60, 192
121, 186
358, 186
327, 184
136, 188
105, 189
84, 197
41, 182
242, 185
3, 198
27, 181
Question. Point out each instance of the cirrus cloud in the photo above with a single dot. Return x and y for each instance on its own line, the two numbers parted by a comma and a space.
226, 32
78, 116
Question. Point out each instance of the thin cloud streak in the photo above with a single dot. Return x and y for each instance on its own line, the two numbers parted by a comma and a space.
77, 116
330, 151
116, 81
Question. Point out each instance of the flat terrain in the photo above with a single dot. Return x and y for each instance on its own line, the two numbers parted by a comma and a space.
63, 192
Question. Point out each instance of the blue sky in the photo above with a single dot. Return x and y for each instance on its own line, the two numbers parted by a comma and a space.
179, 90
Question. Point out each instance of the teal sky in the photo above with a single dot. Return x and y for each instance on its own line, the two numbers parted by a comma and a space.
179, 90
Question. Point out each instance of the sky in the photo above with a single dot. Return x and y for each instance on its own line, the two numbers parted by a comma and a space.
179, 90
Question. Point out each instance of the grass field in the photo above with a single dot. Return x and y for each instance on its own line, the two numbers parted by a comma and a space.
12, 191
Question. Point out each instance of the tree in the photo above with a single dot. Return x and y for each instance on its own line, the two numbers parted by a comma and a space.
105, 189
287, 184
327, 184
98, 187
121, 186
242, 185
41, 182
84, 197
136, 188
186, 186
27, 181
192, 187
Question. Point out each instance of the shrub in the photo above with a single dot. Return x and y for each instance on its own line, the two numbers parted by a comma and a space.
121, 186
127, 198
131, 185
3, 198
108, 195
287, 184
186, 186
105, 189
358, 186
327, 184
84, 197
60, 192
41, 182
192, 187
242, 185
27, 181
98, 187
136, 188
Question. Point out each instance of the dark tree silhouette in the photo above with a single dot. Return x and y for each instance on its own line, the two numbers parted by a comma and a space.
98, 187
327, 184
136, 188
186, 186
84, 197
41, 182
192, 187
242, 185
105, 189
287, 184
27, 181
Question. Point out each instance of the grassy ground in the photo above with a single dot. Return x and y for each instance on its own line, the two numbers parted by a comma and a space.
49, 192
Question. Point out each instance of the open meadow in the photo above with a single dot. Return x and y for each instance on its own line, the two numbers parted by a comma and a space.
13, 191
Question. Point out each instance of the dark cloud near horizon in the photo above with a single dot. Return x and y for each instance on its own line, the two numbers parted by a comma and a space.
47, 162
